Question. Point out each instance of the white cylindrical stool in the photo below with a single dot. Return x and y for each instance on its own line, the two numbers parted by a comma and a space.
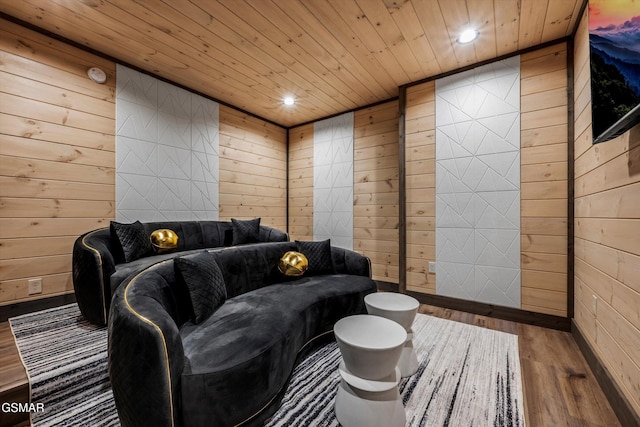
402, 309
368, 391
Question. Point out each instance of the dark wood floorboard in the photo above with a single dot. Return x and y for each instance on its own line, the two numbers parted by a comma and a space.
559, 388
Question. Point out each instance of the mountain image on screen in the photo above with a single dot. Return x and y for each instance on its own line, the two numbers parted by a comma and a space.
615, 74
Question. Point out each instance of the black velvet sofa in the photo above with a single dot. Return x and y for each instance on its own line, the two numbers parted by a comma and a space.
100, 264
230, 367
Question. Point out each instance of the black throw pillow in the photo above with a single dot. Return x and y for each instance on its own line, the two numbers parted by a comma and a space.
203, 279
133, 240
318, 254
245, 231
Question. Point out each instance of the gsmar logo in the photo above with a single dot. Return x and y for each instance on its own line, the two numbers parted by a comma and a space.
15, 407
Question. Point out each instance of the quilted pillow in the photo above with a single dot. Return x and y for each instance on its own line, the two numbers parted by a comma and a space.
319, 255
133, 240
205, 283
245, 231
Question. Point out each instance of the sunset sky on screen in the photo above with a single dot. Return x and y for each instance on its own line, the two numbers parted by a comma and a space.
611, 12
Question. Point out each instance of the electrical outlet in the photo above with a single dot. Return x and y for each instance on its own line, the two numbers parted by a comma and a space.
594, 304
35, 286
432, 267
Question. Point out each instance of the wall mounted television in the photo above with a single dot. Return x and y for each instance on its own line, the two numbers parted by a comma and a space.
614, 41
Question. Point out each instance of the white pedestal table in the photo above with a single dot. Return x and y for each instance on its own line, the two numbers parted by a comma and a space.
368, 394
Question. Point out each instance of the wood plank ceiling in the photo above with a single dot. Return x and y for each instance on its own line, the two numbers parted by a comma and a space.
331, 55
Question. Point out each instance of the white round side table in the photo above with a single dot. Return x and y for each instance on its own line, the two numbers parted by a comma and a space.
368, 394
402, 309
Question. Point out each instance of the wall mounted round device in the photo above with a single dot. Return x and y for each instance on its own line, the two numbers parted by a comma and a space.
97, 75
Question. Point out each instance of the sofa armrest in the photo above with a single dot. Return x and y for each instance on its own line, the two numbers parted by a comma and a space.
146, 356
270, 234
346, 261
92, 266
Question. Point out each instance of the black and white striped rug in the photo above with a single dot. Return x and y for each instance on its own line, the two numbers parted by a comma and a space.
66, 361
468, 376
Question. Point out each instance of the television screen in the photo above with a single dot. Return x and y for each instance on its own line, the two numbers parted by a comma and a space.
614, 41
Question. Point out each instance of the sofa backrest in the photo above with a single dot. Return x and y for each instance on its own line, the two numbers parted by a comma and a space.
155, 289
202, 235
196, 234
245, 268
96, 255
249, 267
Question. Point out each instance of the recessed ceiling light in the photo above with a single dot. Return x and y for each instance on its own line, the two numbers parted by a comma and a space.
467, 36
289, 100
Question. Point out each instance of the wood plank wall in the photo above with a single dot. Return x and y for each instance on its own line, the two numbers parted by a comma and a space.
375, 195
607, 243
301, 182
543, 180
375, 189
57, 158
543, 175
420, 154
253, 169
57, 161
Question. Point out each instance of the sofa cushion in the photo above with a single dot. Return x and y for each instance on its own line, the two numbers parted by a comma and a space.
245, 231
318, 254
133, 239
203, 279
122, 271
242, 355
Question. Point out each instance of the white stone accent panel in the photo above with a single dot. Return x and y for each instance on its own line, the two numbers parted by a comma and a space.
333, 180
478, 184
167, 142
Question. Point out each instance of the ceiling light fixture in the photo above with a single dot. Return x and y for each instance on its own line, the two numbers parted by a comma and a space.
467, 36
289, 100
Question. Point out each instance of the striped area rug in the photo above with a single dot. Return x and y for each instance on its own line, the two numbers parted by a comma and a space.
66, 361
468, 376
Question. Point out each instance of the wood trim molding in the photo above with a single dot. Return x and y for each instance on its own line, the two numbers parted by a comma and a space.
19, 308
287, 186
619, 403
585, 3
402, 190
496, 311
489, 310
570, 178
386, 286
489, 61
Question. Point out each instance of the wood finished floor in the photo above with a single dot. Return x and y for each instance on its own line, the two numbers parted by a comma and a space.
14, 386
559, 388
